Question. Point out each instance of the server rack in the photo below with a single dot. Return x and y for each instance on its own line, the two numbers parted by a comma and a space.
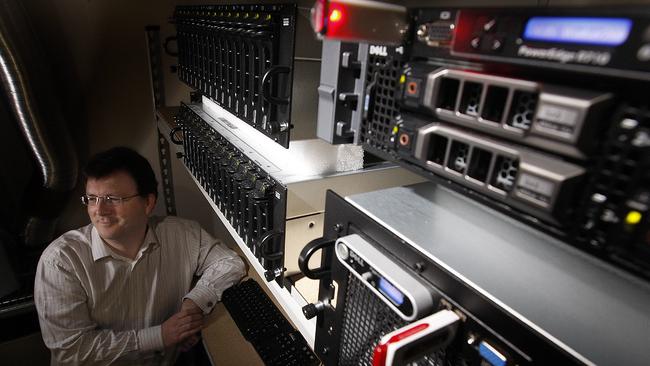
273, 209
241, 57
240, 188
559, 145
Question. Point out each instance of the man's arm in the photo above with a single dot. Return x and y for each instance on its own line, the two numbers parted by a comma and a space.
74, 338
219, 268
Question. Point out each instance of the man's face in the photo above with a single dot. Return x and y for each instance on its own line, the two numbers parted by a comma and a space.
121, 221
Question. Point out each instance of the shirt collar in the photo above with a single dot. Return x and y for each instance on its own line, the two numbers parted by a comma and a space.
102, 250
150, 240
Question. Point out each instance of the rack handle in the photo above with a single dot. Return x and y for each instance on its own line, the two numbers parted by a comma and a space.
306, 254
264, 240
266, 85
172, 135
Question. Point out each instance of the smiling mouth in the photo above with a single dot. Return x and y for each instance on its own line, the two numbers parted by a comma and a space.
105, 221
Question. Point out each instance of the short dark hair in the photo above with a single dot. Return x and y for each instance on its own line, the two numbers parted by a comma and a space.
123, 159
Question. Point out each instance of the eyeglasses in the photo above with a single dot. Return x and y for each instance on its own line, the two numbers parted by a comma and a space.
90, 200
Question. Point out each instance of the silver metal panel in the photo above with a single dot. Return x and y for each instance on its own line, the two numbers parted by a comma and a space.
309, 167
336, 122
298, 232
304, 100
329, 74
584, 305
307, 196
304, 160
360, 89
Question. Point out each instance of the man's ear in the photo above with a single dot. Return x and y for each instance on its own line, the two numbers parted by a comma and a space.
151, 203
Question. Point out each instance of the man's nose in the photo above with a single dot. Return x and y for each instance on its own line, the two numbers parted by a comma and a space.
102, 206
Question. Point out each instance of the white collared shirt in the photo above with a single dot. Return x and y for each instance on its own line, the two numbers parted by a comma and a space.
100, 308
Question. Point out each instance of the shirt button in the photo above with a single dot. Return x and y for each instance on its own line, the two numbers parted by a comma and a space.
210, 304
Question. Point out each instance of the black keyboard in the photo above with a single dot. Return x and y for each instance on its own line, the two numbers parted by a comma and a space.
264, 326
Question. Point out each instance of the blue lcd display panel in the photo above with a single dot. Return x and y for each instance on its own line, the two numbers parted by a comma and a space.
588, 31
395, 295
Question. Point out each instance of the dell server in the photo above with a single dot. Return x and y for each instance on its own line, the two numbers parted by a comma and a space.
500, 104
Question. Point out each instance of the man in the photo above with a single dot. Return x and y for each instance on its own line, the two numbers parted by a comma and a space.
119, 291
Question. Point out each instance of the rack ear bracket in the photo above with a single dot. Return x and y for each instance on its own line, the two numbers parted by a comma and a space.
158, 92
340, 91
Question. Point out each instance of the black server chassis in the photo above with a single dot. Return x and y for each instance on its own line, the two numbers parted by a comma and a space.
241, 57
482, 320
251, 200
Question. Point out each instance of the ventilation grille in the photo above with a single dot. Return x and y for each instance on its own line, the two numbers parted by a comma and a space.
484, 167
382, 79
492, 101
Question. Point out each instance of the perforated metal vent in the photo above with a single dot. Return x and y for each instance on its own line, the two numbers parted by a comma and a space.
382, 78
365, 320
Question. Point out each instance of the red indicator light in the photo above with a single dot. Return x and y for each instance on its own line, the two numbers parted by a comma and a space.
336, 15
359, 20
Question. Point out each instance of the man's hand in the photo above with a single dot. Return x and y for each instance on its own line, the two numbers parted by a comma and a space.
190, 342
180, 326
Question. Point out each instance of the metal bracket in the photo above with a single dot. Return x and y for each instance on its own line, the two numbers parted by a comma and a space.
158, 93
